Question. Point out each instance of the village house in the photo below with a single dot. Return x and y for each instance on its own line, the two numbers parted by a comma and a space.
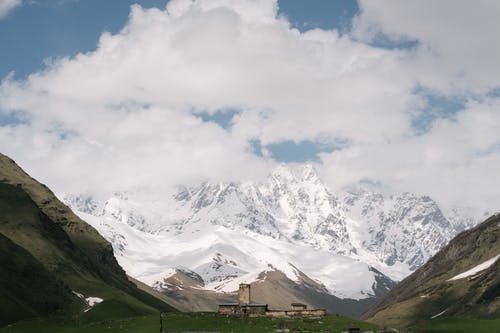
246, 307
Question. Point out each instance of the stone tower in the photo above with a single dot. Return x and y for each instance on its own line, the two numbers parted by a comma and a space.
244, 294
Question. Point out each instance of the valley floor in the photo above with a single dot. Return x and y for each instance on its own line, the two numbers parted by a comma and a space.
210, 322
458, 325
197, 322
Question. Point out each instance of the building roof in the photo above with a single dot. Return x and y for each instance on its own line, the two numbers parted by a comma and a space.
299, 304
243, 305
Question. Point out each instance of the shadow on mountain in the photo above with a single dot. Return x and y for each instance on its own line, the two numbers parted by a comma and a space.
430, 292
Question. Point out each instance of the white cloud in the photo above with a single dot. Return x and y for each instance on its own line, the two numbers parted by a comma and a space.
458, 52
121, 116
455, 162
7, 5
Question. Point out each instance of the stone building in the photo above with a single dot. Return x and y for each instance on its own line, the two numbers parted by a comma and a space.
244, 294
243, 309
246, 307
299, 306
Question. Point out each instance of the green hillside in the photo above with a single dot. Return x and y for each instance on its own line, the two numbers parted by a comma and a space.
429, 295
199, 322
28, 289
48, 254
457, 325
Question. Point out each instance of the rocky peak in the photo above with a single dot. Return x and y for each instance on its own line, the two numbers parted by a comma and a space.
392, 233
82, 203
309, 174
283, 174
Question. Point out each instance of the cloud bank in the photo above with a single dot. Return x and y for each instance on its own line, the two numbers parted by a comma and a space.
125, 115
7, 5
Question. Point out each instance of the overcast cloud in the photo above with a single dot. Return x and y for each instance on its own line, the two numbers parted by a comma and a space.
123, 116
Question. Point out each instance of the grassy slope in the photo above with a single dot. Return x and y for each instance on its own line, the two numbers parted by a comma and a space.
31, 290
426, 292
199, 322
62, 248
212, 323
458, 325
54, 252
97, 252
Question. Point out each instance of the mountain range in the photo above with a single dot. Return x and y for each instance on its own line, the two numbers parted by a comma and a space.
341, 251
462, 280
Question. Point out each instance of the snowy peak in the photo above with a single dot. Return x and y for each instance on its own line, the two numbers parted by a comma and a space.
218, 270
283, 174
417, 209
305, 208
405, 228
284, 179
302, 173
82, 203
461, 218
228, 233
461, 278
309, 174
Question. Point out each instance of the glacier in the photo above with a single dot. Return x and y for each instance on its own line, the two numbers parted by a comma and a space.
229, 233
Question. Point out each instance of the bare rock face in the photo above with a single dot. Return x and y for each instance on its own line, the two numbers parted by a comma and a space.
353, 243
406, 228
462, 279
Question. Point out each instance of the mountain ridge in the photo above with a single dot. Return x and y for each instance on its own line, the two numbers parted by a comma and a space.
54, 246
461, 280
289, 221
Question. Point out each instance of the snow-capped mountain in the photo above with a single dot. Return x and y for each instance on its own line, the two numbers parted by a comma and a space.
462, 278
404, 229
227, 233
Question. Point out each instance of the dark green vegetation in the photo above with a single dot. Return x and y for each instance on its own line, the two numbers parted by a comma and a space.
427, 292
47, 252
20, 269
210, 322
458, 325
177, 322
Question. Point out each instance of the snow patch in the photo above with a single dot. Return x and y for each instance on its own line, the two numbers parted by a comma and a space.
151, 279
229, 233
92, 301
476, 269
439, 314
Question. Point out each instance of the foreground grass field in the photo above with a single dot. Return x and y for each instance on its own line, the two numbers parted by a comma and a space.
458, 325
210, 322
207, 322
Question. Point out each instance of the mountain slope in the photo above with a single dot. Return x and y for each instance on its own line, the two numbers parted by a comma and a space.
41, 237
355, 244
271, 287
403, 229
463, 279
28, 288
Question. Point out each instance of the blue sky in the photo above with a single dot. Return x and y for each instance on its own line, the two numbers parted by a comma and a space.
45, 29
404, 94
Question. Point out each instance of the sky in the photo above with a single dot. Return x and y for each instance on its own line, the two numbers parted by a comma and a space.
100, 96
